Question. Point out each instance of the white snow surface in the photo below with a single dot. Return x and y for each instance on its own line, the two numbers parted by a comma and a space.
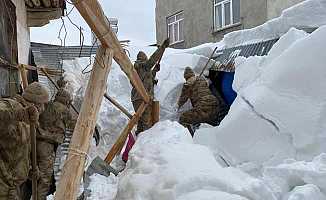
165, 164
307, 14
280, 110
273, 136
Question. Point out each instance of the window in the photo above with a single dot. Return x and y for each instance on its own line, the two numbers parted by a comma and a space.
9, 84
226, 13
175, 27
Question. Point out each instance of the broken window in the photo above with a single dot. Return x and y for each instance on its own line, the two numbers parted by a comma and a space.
175, 27
226, 13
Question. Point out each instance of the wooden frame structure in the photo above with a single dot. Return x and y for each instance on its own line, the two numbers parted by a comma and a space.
73, 169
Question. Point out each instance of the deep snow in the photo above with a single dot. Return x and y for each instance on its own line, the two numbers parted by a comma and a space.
273, 136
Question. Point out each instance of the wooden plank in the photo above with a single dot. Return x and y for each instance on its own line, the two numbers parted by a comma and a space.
82, 135
116, 104
23, 75
93, 14
118, 145
155, 112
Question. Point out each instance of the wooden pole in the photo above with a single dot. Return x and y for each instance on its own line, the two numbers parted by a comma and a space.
79, 146
23, 75
34, 161
116, 104
201, 73
118, 145
93, 14
155, 112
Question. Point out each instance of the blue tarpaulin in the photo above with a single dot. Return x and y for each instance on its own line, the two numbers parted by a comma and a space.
226, 85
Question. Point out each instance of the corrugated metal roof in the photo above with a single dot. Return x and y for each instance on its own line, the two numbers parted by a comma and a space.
226, 56
52, 55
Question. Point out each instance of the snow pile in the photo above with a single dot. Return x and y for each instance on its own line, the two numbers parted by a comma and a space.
307, 14
305, 192
280, 110
103, 188
165, 164
284, 177
111, 120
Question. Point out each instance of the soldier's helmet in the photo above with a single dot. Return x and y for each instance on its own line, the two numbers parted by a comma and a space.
188, 73
141, 56
63, 96
36, 93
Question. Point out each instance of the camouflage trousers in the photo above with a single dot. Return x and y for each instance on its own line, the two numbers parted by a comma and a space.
45, 160
198, 115
6, 192
145, 121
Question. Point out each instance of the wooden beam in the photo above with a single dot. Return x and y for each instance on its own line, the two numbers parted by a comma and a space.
23, 75
82, 135
93, 14
116, 104
118, 145
155, 112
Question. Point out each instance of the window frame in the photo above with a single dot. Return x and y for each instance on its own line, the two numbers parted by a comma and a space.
222, 4
175, 22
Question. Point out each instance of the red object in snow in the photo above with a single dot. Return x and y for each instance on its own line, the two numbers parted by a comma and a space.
130, 143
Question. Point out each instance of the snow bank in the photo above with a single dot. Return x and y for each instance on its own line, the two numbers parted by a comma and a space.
164, 164
284, 177
305, 192
280, 110
307, 14
103, 188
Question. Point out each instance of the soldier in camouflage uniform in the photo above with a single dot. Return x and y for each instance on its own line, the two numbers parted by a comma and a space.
144, 66
16, 114
205, 104
53, 122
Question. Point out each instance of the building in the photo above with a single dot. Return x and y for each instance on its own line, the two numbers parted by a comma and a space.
17, 16
190, 23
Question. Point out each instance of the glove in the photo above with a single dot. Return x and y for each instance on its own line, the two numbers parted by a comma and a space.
166, 43
155, 82
33, 114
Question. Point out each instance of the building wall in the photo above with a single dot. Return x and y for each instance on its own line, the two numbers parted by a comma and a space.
198, 19
275, 7
23, 35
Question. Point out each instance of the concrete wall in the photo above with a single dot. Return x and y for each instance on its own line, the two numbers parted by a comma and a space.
198, 19
23, 35
275, 7
253, 13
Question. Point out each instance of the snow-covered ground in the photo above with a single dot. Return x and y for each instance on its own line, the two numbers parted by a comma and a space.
273, 137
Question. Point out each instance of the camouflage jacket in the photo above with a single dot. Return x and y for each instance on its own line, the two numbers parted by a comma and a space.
196, 89
53, 122
147, 74
15, 146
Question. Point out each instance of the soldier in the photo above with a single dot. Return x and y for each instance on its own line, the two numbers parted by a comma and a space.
205, 105
16, 114
144, 66
53, 123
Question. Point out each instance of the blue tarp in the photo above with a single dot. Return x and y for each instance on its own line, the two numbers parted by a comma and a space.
226, 85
